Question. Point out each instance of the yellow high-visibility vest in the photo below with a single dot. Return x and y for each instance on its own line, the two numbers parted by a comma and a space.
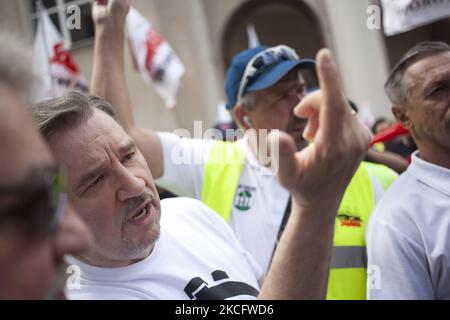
347, 278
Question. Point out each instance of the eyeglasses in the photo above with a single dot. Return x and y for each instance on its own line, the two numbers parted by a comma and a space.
262, 61
41, 202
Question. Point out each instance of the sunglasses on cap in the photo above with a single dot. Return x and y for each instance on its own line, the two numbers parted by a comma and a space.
38, 203
262, 61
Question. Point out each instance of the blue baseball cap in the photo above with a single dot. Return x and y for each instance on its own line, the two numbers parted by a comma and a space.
261, 80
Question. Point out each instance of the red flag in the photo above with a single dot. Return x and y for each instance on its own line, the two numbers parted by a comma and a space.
153, 57
389, 134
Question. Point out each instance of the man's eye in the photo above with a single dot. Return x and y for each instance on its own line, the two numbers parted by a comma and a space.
130, 157
300, 90
281, 96
95, 182
437, 90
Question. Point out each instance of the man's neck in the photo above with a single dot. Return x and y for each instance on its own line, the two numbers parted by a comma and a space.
100, 261
436, 155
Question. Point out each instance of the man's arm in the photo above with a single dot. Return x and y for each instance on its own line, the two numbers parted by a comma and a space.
389, 159
317, 178
108, 76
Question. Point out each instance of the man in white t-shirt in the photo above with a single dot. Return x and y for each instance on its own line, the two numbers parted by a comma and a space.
263, 86
195, 257
409, 232
191, 253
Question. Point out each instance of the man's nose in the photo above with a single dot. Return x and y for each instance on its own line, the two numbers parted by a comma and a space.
73, 236
301, 94
131, 186
295, 97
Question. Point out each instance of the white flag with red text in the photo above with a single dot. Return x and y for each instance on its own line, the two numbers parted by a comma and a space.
154, 58
54, 62
403, 15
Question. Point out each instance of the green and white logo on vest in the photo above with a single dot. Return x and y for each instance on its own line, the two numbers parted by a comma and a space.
244, 198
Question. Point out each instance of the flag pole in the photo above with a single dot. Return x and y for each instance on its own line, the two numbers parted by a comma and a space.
252, 36
41, 9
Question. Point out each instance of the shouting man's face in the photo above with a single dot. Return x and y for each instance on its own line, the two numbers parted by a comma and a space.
111, 187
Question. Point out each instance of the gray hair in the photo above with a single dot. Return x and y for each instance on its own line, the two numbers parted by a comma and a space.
67, 111
16, 68
396, 87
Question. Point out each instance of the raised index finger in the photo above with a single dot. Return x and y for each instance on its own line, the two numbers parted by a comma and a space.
335, 106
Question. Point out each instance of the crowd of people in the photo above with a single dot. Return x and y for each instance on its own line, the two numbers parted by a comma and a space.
302, 212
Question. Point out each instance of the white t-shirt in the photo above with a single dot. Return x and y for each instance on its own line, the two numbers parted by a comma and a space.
408, 238
255, 221
196, 257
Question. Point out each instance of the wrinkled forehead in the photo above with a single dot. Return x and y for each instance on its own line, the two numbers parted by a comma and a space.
88, 142
293, 77
431, 68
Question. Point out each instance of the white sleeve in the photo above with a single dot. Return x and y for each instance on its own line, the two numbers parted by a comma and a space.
397, 265
183, 161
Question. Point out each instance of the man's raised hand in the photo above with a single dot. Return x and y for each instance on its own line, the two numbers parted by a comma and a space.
339, 142
110, 11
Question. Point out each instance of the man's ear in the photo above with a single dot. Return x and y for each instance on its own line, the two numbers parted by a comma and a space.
402, 116
239, 114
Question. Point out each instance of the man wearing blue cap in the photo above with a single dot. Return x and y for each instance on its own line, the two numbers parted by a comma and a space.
268, 77
263, 86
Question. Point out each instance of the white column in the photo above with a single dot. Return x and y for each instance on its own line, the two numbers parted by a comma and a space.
360, 54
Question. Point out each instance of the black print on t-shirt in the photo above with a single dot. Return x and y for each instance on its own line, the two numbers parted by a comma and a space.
199, 289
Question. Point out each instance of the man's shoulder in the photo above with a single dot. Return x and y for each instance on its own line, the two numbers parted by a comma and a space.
186, 151
172, 139
180, 205
385, 175
191, 224
404, 187
181, 210
399, 205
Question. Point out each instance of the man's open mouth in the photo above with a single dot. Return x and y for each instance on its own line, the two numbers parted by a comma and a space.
141, 212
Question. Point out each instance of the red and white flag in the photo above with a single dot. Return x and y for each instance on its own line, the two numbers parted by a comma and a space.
54, 62
404, 15
154, 58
